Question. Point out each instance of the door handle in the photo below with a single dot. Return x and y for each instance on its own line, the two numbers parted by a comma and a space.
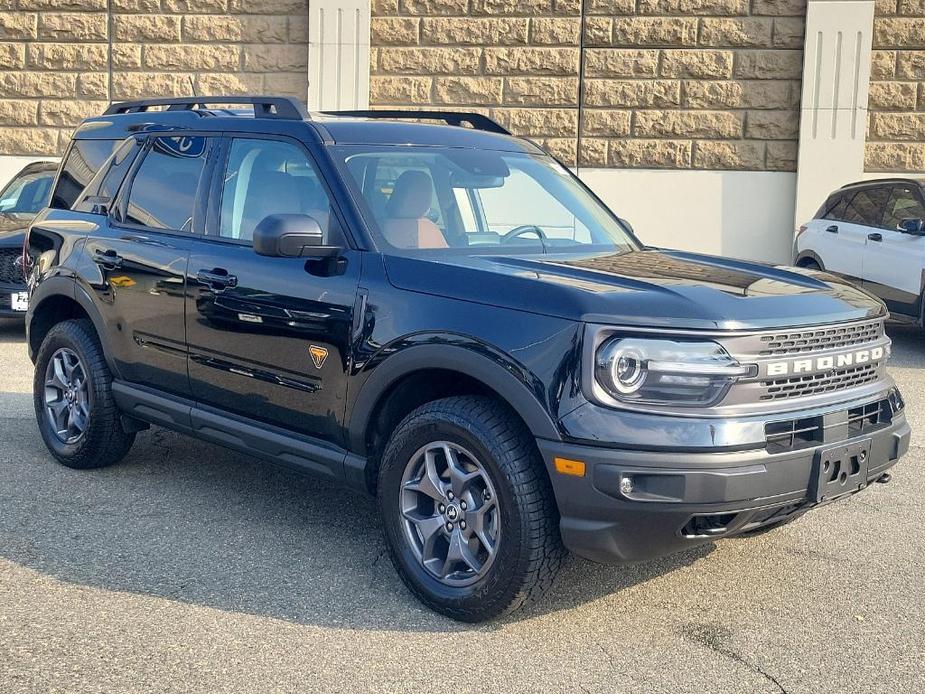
832, 229
108, 259
217, 279
875, 236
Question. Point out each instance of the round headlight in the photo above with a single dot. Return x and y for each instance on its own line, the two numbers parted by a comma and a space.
627, 370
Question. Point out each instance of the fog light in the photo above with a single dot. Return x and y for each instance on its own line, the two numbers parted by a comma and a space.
626, 486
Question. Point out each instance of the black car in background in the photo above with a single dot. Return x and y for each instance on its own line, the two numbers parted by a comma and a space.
448, 319
20, 200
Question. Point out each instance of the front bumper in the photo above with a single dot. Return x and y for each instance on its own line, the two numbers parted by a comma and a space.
683, 498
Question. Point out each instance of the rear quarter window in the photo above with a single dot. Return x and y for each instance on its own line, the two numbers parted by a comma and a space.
83, 161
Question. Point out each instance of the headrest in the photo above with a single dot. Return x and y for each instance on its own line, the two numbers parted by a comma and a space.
411, 196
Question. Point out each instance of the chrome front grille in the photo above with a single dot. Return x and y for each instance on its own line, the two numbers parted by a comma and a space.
817, 384
818, 339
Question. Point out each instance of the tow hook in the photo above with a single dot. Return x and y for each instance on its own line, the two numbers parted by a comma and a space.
884, 478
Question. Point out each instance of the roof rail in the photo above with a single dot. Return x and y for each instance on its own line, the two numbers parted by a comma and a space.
476, 120
285, 107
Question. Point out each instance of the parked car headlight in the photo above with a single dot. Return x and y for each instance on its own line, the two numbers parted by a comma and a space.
665, 372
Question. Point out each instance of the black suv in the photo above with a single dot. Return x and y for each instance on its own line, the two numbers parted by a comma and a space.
443, 316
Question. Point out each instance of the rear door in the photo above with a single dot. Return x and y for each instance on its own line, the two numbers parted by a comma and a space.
135, 261
269, 338
846, 229
894, 259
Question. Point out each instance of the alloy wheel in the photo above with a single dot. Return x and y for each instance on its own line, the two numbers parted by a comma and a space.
450, 513
66, 396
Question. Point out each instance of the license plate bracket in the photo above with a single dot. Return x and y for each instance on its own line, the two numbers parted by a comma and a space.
19, 301
841, 470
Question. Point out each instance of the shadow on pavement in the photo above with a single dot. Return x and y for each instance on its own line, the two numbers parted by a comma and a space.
185, 520
908, 345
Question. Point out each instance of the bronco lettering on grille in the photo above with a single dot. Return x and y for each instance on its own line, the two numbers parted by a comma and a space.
827, 363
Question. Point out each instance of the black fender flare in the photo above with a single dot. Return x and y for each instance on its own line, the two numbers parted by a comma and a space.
464, 360
812, 255
60, 286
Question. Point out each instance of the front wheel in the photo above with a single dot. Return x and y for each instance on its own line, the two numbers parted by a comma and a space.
74, 407
470, 519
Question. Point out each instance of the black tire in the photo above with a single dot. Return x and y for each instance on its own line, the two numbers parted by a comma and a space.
810, 265
529, 552
103, 441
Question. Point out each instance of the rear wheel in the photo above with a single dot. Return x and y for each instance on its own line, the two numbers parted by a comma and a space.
74, 407
470, 519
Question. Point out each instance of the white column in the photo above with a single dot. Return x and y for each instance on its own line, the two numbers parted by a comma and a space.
833, 121
338, 54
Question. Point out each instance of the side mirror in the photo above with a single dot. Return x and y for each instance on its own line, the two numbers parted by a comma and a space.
912, 225
291, 236
629, 227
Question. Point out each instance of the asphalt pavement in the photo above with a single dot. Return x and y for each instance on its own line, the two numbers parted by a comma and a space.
190, 568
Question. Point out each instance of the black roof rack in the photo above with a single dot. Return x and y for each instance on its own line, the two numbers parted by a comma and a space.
476, 120
284, 107
888, 179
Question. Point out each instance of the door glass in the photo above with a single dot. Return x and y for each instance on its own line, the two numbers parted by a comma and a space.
837, 207
163, 192
867, 207
83, 161
265, 177
903, 204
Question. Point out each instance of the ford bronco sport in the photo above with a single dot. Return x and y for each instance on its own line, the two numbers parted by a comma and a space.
443, 316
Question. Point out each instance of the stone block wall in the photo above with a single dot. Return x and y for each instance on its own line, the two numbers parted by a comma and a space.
679, 84
55, 58
896, 127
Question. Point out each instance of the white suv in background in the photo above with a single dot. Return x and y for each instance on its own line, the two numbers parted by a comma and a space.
872, 232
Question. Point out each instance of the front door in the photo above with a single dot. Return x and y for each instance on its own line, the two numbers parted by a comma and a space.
847, 235
893, 260
269, 338
135, 260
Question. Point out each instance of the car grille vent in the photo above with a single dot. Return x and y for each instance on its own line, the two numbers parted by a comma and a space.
803, 341
795, 434
10, 269
816, 384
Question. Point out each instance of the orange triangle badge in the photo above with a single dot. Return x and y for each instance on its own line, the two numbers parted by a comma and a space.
319, 354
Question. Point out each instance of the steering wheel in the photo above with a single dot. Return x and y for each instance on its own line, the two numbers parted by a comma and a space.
517, 232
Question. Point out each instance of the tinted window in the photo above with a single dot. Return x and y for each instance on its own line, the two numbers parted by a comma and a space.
904, 204
84, 159
834, 207
265, 177
867, 207
107, 181
163, 191
27, 193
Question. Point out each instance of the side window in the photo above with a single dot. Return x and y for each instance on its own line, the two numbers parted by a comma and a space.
163, 193
834, 207
265, 177
107, 181
867, 206
904, 203
84, 159
389, 170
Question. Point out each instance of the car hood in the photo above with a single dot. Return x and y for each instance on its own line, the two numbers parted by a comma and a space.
13, 227
648, 287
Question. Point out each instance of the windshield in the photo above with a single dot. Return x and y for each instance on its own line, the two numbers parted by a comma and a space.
440, 198
27, 193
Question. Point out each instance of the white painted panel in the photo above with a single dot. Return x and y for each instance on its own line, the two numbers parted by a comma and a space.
338, 54
11, 165
833, 120
738, 214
